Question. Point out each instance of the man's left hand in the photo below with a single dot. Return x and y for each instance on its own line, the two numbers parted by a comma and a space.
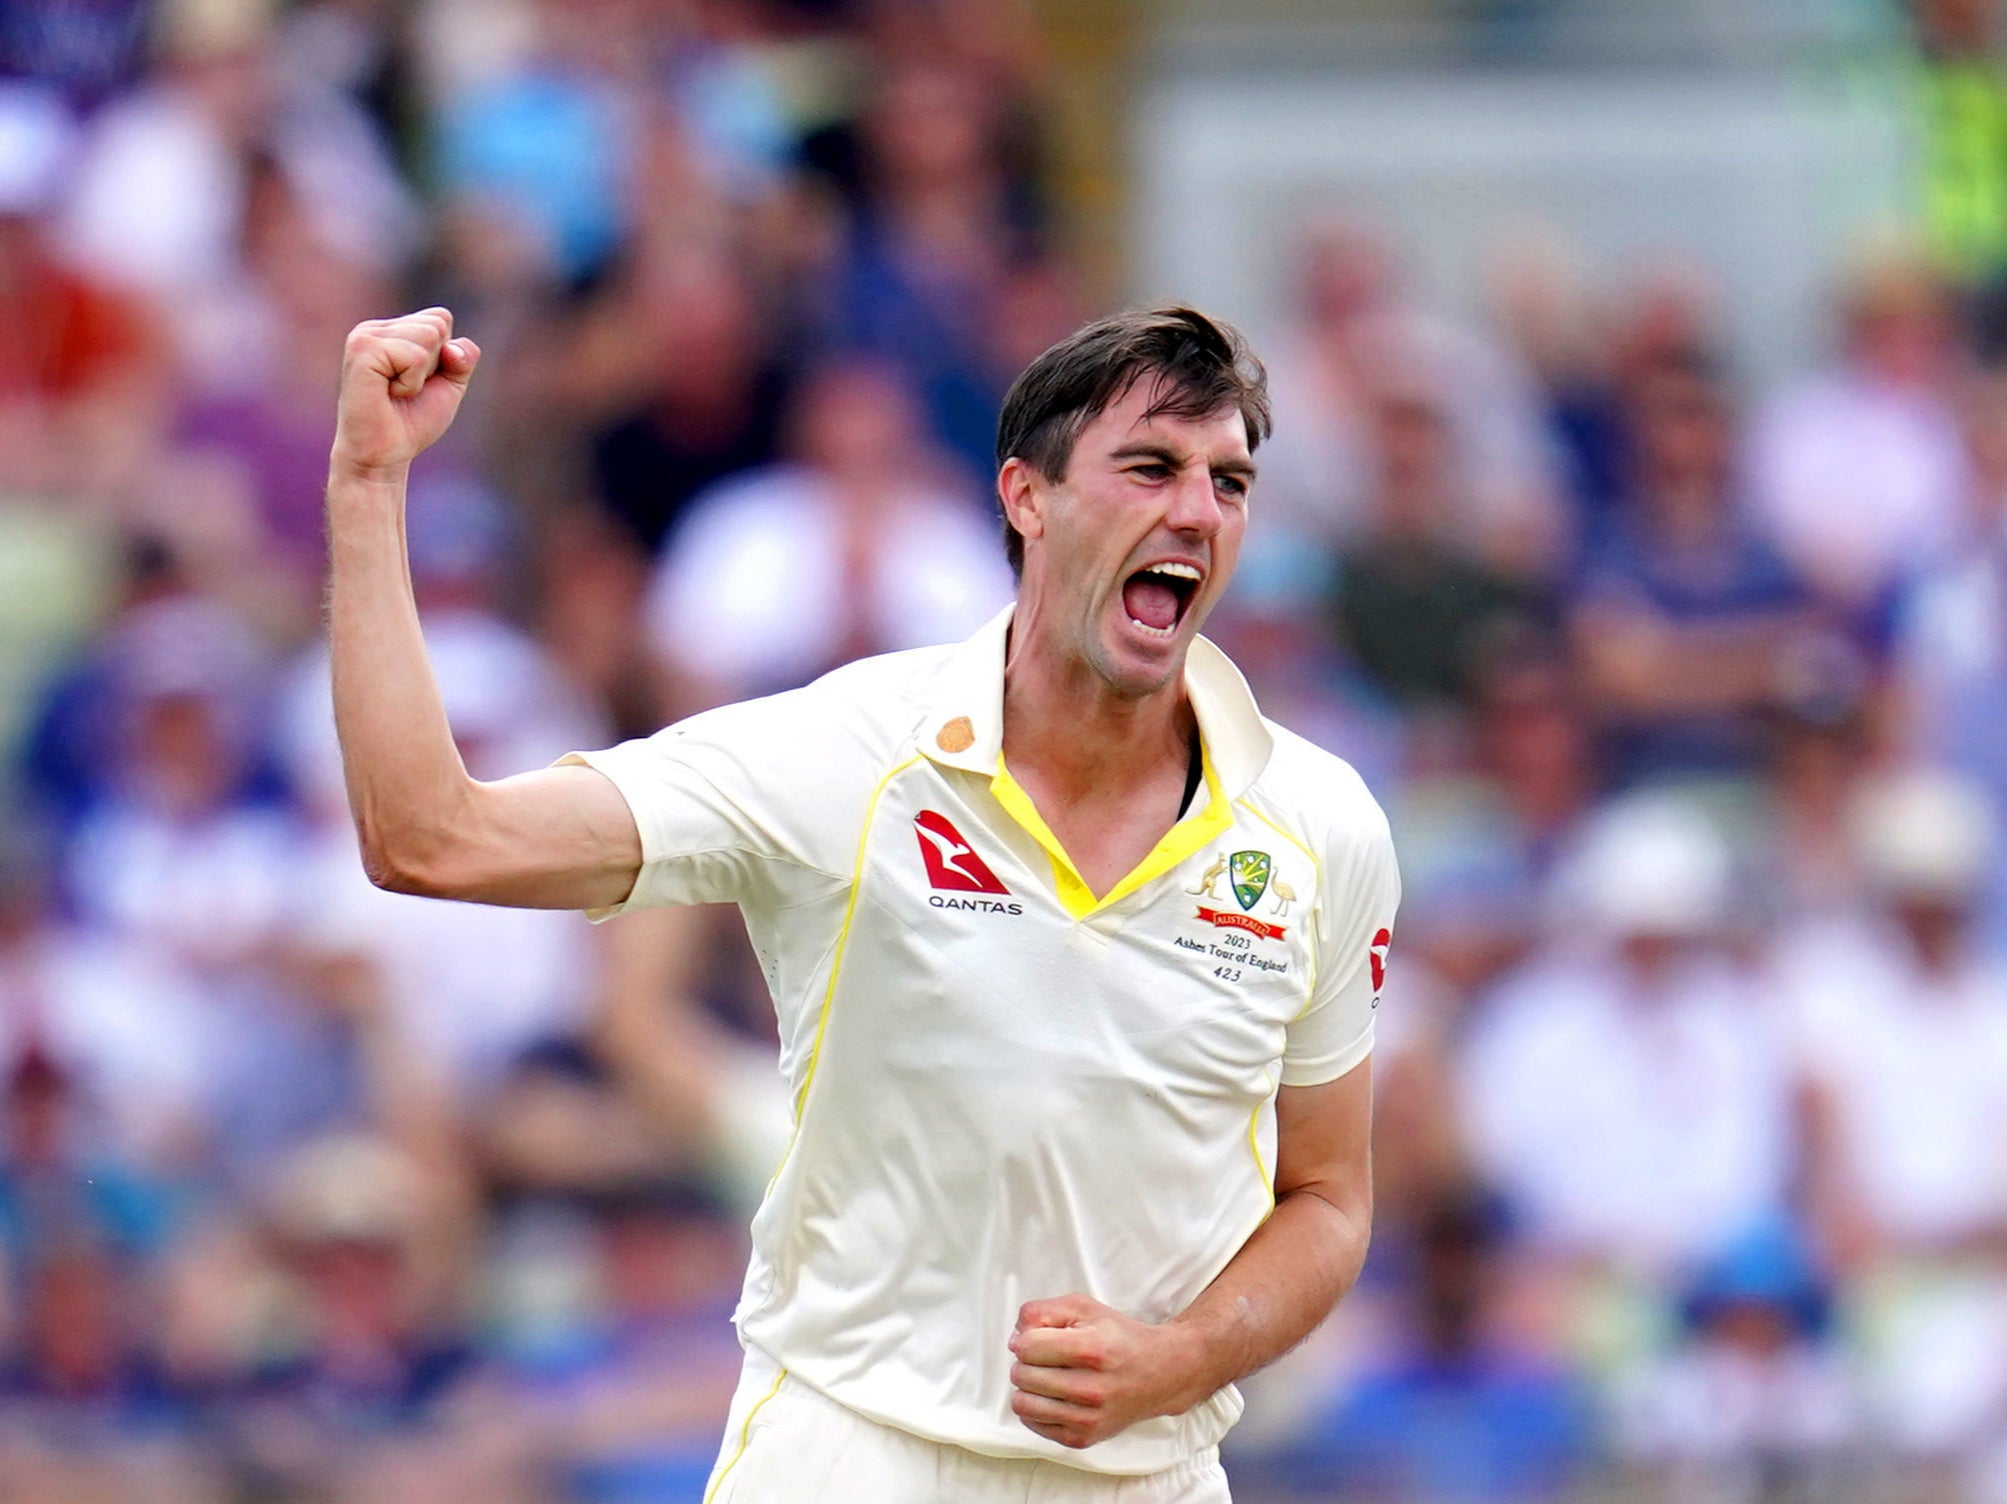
1085, 1372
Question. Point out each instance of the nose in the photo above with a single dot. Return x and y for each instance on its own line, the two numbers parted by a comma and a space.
1195, 510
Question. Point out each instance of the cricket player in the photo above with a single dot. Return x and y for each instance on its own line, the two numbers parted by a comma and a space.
1074, 954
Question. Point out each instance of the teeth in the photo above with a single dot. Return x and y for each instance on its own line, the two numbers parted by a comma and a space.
1176, 571
1143, 626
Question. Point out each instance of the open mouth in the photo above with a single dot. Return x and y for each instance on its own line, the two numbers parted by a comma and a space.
1157, 596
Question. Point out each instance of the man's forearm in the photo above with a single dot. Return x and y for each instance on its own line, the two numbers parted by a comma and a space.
557, 838
1083, 1371
401, 383
1274, 1292
404, 774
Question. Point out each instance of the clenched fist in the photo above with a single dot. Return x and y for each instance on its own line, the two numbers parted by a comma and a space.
401, 383
1085, 1372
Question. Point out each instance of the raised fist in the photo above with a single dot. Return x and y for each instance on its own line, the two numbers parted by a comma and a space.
401, 383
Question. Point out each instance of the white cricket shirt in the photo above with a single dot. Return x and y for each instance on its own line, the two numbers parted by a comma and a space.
1006, 1089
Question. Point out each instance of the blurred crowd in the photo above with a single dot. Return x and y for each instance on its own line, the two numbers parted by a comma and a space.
1688, 702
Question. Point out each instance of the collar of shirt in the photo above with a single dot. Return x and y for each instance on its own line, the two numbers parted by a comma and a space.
964, 726
964, 729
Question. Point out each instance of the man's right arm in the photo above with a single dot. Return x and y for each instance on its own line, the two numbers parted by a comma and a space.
558, 838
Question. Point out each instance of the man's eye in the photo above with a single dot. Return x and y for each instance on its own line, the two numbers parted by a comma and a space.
1233, 485
1150, 472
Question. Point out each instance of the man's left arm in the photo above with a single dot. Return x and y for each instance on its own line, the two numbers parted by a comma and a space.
1085, 1372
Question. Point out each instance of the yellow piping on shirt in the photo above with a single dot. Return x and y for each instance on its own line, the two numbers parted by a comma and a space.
1254, 1140
1317, 872
836, 958
1309, 991
745, 1436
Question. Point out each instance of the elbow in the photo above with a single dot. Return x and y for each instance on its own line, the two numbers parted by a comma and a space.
1350, 1211
389, 871
425, 851
400, 866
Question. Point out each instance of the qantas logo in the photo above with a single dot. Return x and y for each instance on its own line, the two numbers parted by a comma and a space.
1376, 958
952, 863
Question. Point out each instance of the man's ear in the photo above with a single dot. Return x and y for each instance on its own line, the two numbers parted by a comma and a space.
1019, 491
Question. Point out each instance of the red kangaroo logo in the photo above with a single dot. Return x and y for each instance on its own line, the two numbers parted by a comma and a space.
1376, 957
952, 862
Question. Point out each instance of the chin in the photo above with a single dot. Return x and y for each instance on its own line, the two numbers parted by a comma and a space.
1134, 671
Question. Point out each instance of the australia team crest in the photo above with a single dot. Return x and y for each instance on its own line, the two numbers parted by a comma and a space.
1251, 877
1247, 871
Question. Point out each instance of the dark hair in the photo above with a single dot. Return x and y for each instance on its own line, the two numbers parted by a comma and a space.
1201, 365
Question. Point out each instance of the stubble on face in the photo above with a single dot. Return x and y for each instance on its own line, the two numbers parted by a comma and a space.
1146, 501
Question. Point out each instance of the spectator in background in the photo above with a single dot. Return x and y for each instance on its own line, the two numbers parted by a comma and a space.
867, 540
368, 1236
159, 194
1962, 117
712, 392
1951, 638
634, 1415
71, 732
103, 1022
1418, 605
1458, 1413
558, 1127
1903, 1025
546, 153
725, 96
354, 49
1558, 326
1360, 332
939, 223
549, 150
258, 422
1755, 1402
1821, 749
1588, 349
81, 365
1858, 473
180, 852
66, 1182
1468, 921
1535, 749
1688, 625
186, 855
367, 1379
719, 1108
1627, 1089
162, 191
86, 1409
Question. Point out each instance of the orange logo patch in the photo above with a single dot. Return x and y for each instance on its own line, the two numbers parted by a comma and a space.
957, 736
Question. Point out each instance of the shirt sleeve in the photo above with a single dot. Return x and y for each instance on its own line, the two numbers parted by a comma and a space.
1354, 925
753, 804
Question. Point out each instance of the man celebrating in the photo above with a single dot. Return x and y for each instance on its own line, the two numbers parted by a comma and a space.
1080, 1121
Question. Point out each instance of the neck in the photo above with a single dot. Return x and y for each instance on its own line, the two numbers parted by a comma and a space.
1079, 733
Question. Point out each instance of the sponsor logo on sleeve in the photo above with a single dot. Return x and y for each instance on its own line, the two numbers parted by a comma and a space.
1376, 958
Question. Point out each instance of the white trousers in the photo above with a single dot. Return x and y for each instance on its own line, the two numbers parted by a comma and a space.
785, 1443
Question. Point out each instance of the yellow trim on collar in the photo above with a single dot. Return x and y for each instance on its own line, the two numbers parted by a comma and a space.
1237, 741
1180, 843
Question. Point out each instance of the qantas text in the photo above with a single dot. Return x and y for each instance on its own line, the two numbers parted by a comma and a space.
982, 905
